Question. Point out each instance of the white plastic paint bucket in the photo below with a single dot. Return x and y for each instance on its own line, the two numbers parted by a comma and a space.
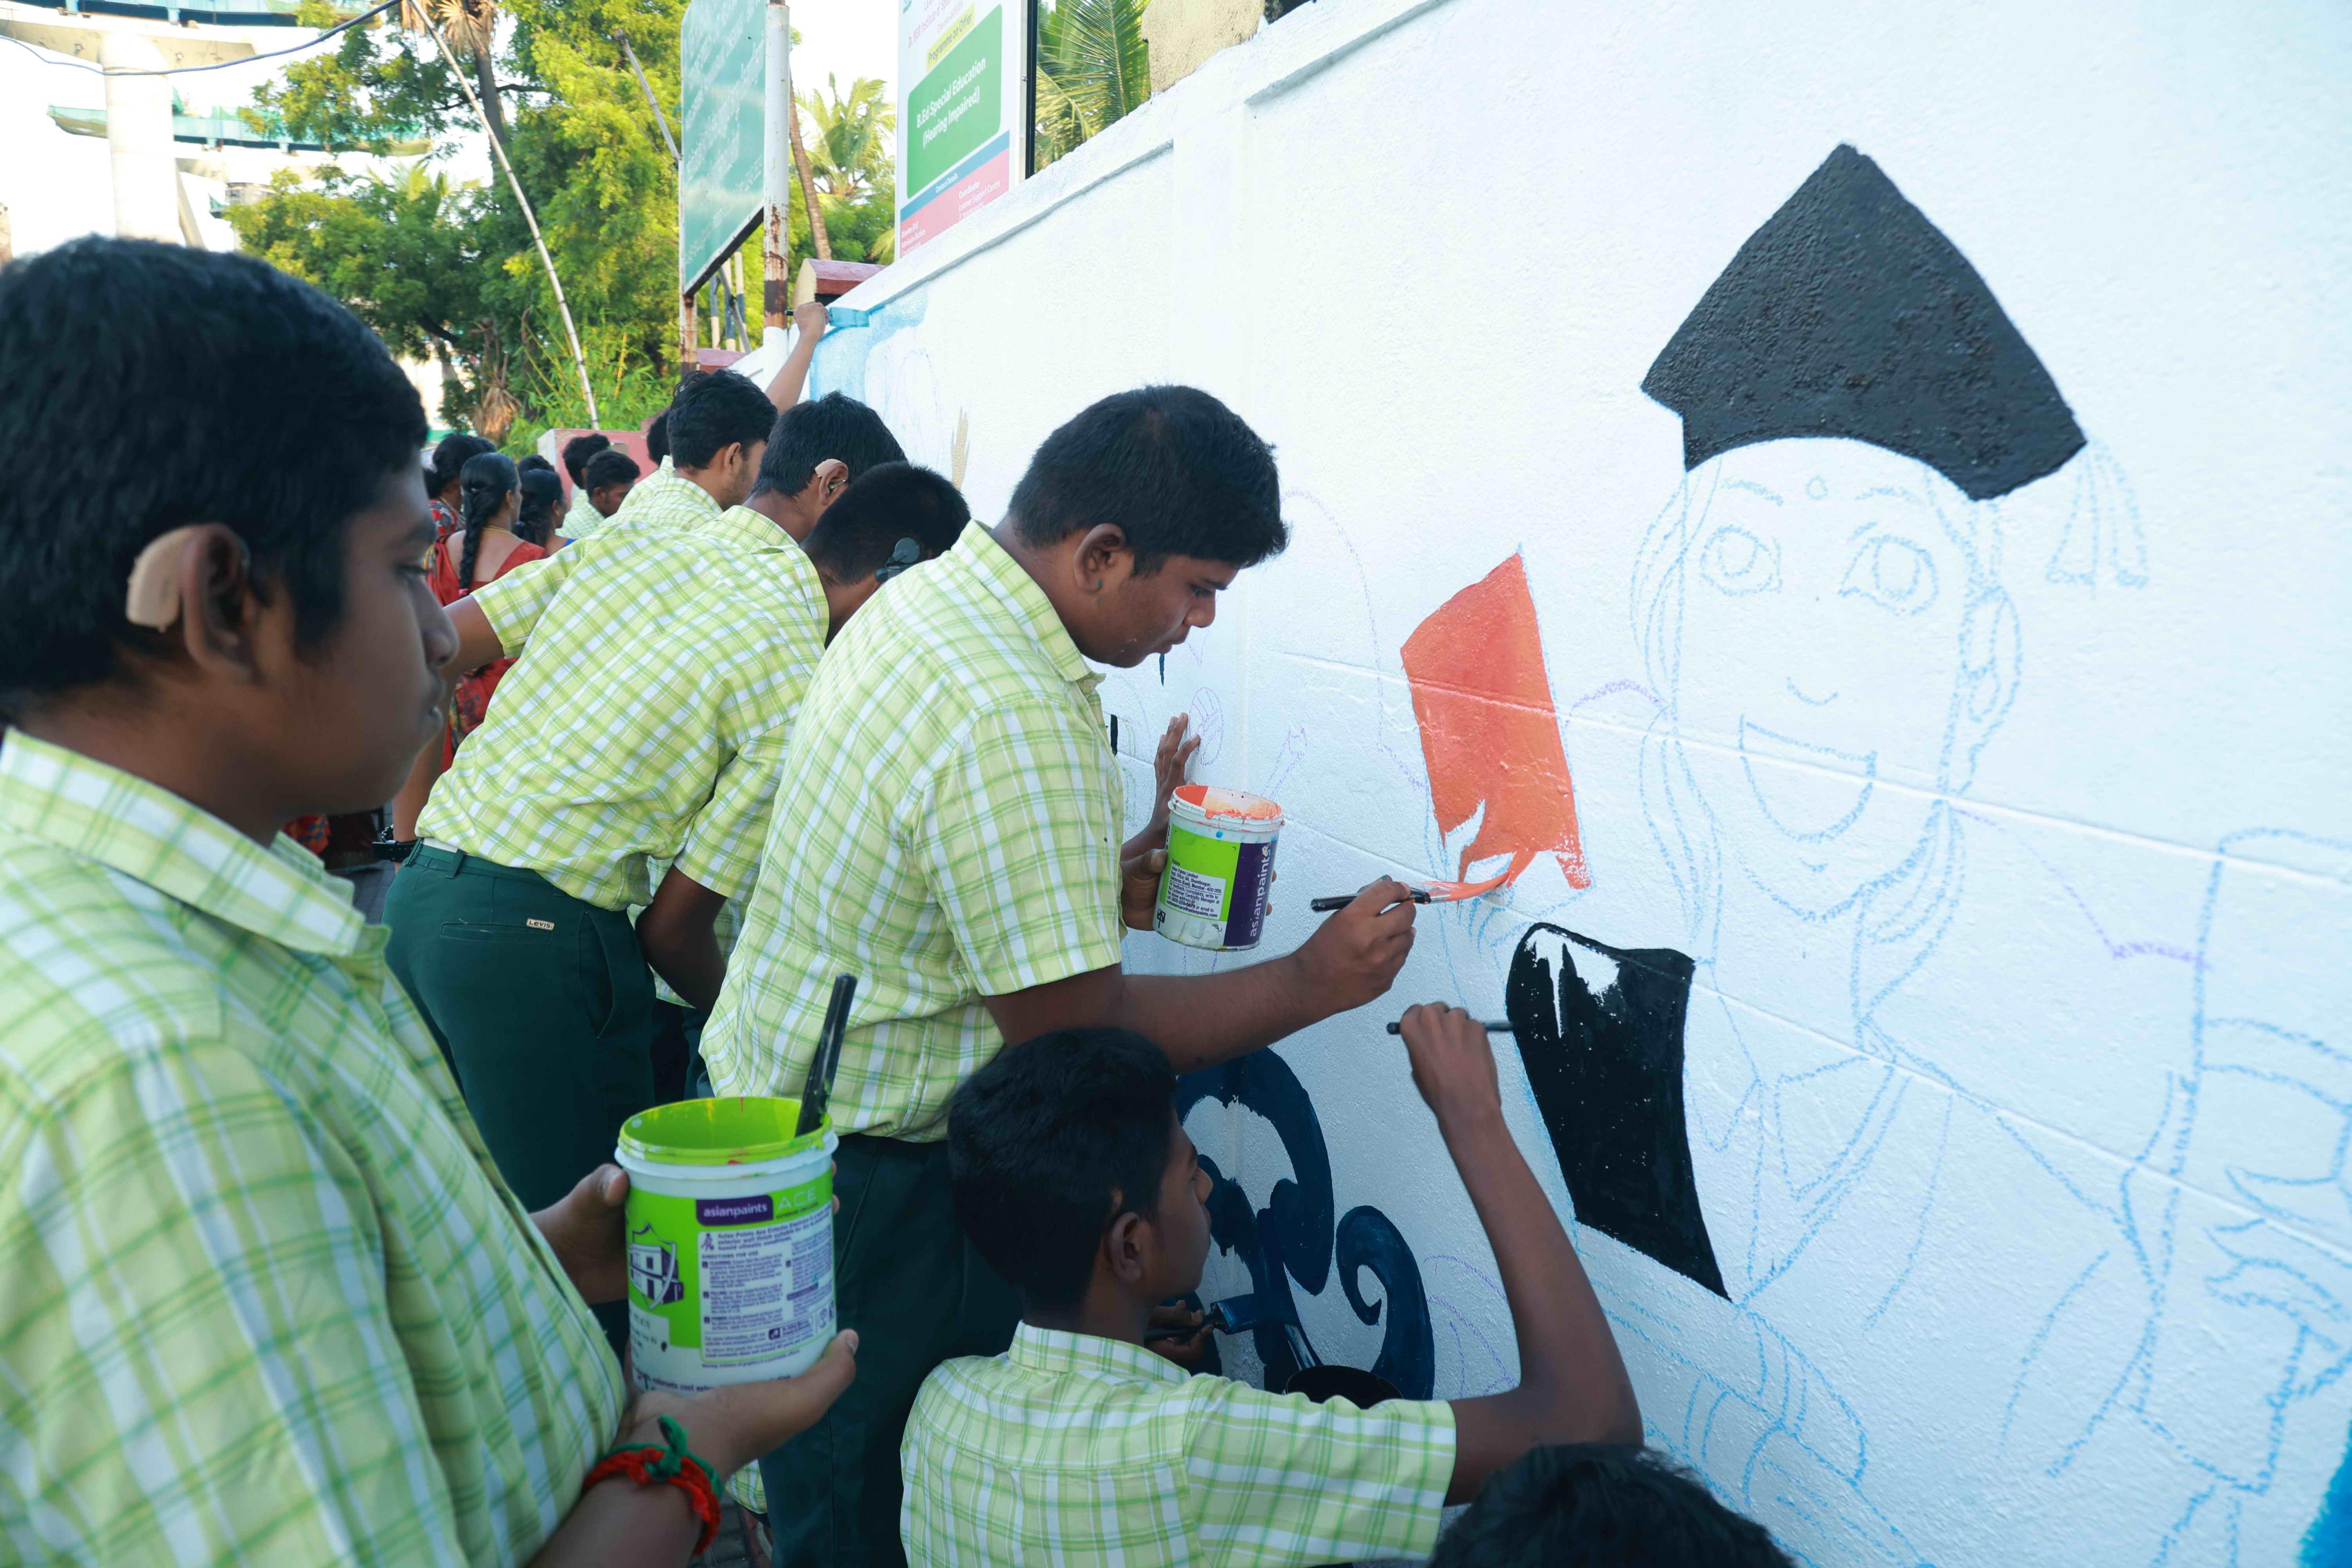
1219, 868
730, 1242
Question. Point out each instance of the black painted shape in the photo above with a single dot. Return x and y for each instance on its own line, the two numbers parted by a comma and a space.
1849, 314
1408, 1358
1607, 1072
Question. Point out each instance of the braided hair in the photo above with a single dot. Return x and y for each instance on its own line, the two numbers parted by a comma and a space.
535, 513
483, 485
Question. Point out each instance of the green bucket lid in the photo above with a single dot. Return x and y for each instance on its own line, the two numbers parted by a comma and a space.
732, 1130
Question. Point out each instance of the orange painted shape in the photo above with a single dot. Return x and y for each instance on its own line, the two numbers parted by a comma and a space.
1488, 732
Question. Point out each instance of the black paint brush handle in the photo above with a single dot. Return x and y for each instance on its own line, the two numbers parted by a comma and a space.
1341, 900
1495, 1026
817, 1090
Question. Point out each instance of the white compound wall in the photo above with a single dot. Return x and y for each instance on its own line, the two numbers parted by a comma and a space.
1939, 1030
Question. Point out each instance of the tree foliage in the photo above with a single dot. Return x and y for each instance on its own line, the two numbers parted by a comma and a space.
447, 270
1093, 68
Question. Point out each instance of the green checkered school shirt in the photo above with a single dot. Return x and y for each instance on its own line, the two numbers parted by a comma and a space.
1087, 1453
263, 1297
947, 827
646, 717
665, 497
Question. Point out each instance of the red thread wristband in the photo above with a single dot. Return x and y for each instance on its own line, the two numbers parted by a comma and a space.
672, 1464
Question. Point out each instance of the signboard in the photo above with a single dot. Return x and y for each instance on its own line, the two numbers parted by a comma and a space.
722, 60
964, 121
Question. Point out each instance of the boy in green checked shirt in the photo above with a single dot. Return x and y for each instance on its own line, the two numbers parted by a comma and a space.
1074, 1180
648, 715
263, 1295
947, 828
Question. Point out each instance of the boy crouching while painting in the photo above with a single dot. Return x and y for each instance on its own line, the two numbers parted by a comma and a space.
1076, 1183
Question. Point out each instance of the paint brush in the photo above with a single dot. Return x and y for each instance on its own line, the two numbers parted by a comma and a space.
1341, 900
838, 317
1494, 1026
1234, 1315
818, 1088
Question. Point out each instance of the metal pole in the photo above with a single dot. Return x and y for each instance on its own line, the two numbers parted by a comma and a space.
579, 360
651, 102
776, 174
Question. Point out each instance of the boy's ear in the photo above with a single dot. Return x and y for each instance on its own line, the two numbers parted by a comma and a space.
832, 478
195, 586
1102, 548
1123, 1245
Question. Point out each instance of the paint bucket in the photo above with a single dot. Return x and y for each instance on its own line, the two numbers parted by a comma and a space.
1219, 868
730, 1242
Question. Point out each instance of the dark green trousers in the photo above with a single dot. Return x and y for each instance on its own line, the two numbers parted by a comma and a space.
542, 1004
917, 1294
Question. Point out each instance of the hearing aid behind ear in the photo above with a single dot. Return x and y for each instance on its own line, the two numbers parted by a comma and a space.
903, 554
153, 598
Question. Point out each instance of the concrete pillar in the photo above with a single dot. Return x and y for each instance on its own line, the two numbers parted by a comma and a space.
138, 134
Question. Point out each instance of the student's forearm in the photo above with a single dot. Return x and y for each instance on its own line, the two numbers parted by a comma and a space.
477, 640
791, 376
678, 934
1572, 1382
621, 1522
689, 960
409, 804
1200, 1020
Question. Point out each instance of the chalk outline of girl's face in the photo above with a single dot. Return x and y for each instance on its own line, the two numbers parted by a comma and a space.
1843, 654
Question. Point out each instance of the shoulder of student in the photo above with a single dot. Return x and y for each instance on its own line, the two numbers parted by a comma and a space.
124, 989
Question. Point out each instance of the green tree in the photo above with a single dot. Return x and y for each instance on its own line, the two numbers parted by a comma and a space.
853, 165
1093, 68
573, 121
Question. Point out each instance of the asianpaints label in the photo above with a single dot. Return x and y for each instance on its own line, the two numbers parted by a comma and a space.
1213, 893
728, 1290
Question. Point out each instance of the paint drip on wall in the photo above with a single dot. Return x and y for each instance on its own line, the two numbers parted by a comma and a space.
1488, 732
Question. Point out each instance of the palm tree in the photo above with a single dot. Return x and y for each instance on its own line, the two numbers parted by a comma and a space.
853, 151
470, 27
1093, 67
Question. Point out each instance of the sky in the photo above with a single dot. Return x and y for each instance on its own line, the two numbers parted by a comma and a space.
57, 185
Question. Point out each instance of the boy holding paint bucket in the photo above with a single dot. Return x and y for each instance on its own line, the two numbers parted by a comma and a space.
643, 724
947, 828
1074, 1178
267, 1297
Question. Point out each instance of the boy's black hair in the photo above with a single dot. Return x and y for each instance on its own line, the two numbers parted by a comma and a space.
833, 425
533, 460
579, 449
861, 531
1176, 469
657, 437
162, 386
714, 411
535, 513
1050, 1143
611, 467
450, 457
1598, 1505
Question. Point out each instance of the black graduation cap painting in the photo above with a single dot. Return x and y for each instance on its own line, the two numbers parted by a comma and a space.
1849, 314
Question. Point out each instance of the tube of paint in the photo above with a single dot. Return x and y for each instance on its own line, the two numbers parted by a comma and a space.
729, 1221
1219, 868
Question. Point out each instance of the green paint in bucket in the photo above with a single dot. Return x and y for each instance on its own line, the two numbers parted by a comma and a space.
730, 1242
1219, 868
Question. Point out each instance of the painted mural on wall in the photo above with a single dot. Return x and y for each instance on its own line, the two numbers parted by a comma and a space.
1292, 1245
1974, 1203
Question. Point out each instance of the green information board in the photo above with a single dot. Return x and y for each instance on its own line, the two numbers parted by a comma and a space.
959, 106
722, 59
